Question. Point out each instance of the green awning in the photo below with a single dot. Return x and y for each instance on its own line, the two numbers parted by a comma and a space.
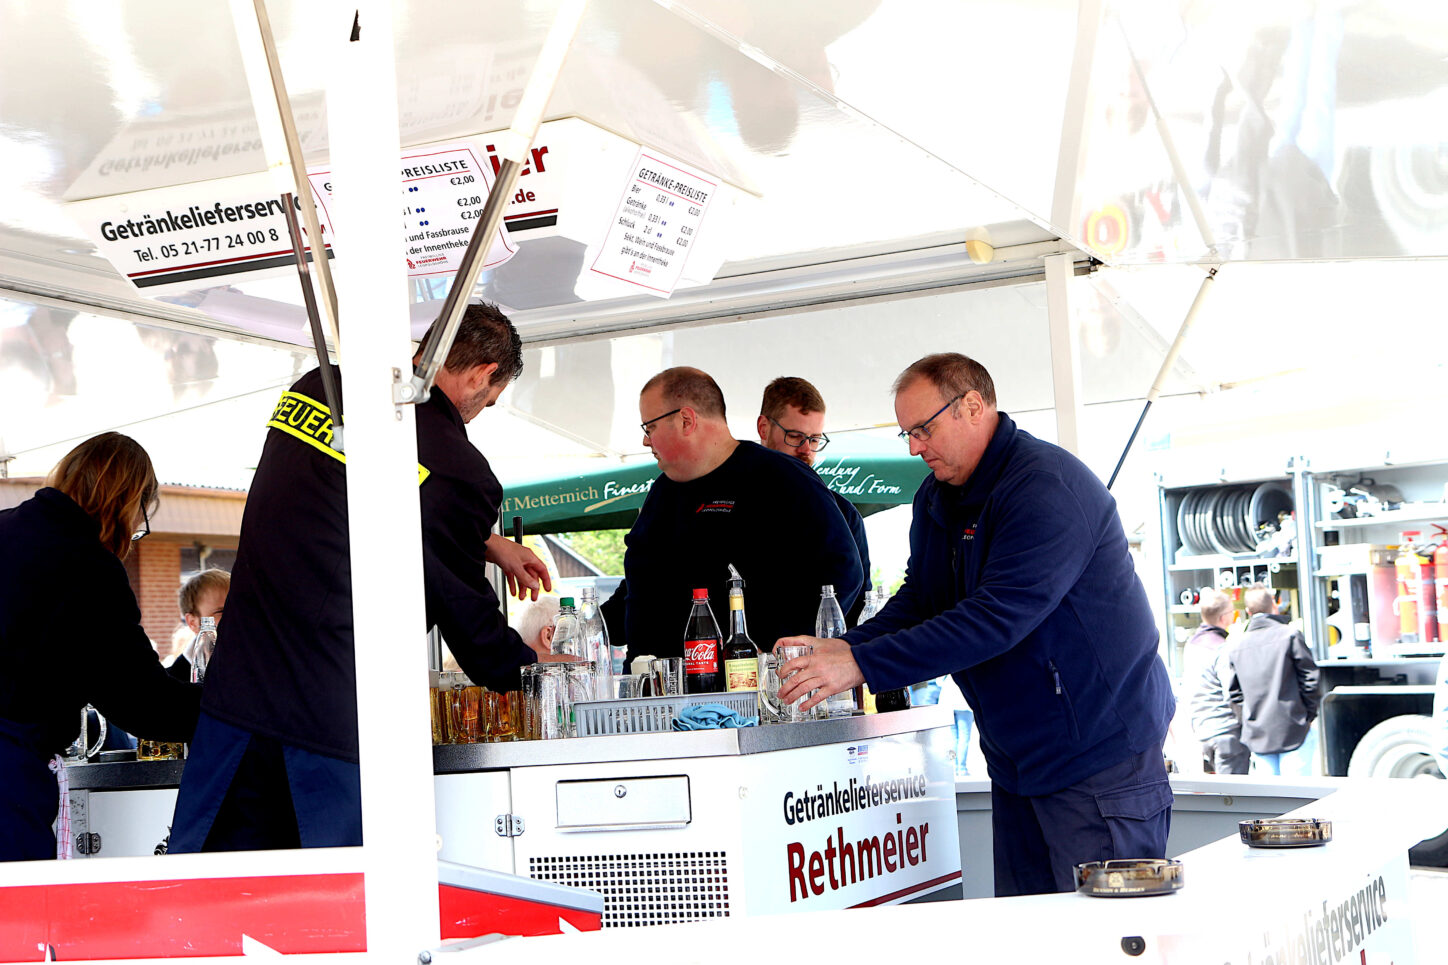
872, 476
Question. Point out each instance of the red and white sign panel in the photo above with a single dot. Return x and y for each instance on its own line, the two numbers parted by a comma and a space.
656, 225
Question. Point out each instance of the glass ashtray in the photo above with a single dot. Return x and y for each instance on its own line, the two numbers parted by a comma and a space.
1129, 877
1285, 832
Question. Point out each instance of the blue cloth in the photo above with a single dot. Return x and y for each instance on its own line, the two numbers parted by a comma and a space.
252, 792
711, 717
1020, 585
1121, 812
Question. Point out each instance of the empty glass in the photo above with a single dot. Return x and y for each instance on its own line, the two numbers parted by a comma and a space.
666, 676
580, 689
770, 706
546, 701
628, 685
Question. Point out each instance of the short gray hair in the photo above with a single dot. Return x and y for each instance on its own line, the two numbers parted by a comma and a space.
535, 616
952, 374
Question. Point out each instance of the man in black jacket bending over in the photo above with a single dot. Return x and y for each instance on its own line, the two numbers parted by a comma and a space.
274, 760
722, 501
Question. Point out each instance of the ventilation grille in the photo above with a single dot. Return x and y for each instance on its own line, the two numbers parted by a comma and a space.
646, 889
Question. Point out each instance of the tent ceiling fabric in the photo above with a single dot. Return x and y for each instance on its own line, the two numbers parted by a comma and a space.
1307, 131
862, 138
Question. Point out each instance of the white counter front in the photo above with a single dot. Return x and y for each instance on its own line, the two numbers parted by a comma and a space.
688, 826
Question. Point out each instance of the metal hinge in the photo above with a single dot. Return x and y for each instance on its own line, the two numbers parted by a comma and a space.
88, 842
508, 825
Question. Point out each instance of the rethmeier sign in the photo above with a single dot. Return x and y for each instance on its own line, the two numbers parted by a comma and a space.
849, 826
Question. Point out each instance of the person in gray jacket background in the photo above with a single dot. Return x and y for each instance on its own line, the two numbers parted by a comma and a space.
1271, 676
1214, 718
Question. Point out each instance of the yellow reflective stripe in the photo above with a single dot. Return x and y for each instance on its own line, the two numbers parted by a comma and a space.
302, 417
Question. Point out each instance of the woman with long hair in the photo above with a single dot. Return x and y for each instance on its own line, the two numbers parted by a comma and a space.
61, 569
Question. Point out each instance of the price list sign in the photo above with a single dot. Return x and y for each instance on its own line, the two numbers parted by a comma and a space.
656, 225
443, 191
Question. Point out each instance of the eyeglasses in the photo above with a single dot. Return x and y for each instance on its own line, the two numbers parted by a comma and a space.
145, 529
794, 438
921, 432
646, 425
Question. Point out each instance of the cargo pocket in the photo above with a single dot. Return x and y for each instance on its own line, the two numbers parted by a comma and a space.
1138, 818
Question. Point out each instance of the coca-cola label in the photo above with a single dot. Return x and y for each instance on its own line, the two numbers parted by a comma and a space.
701, 656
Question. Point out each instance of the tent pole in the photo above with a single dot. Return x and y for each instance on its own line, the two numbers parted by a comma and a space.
1065, 361
1166, 365
281, 143
394, 732
512, 147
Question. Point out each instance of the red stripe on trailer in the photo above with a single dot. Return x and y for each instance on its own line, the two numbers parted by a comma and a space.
183, 918
468, 914
913, 889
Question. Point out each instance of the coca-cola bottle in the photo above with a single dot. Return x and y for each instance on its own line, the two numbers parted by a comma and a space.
701, 648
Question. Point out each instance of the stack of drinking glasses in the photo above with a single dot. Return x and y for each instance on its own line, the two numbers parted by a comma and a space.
464, 713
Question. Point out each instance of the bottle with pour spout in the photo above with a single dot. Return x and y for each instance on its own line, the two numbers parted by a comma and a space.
741, 655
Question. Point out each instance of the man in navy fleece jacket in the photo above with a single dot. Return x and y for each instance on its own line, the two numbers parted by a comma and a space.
1020, 585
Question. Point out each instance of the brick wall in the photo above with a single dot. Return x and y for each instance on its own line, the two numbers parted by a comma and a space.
156, 576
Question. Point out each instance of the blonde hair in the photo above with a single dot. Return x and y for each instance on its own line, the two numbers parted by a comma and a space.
190, 594
111, 479
1214, 604
1259, 598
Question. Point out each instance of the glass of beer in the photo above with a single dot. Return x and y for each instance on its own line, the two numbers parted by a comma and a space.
497, 710
437, 707
151, 750
465, 710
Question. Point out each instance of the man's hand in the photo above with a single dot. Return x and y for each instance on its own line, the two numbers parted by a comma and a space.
831, 668
557, 658
524, 570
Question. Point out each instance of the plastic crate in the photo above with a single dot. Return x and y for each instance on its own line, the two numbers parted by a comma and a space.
645, 715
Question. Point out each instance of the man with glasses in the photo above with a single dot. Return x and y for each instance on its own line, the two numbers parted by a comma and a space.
792, 421
1021, 586
720, 501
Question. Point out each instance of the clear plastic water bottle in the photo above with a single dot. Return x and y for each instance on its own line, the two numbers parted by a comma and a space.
567, 630
201, 649
830, 622
596, 649
872, 604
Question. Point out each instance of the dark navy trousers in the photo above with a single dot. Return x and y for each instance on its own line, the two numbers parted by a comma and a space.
1123, 811
246, 792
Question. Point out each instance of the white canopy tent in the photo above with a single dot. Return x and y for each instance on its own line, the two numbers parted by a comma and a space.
860, 147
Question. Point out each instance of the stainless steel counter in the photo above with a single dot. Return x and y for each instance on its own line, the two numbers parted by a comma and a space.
460, 758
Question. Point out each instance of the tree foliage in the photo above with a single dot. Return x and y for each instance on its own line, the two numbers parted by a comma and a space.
603, 548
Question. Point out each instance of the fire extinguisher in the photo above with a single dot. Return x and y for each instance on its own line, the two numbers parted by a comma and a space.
1427, 597
1409, 577
1440, 566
